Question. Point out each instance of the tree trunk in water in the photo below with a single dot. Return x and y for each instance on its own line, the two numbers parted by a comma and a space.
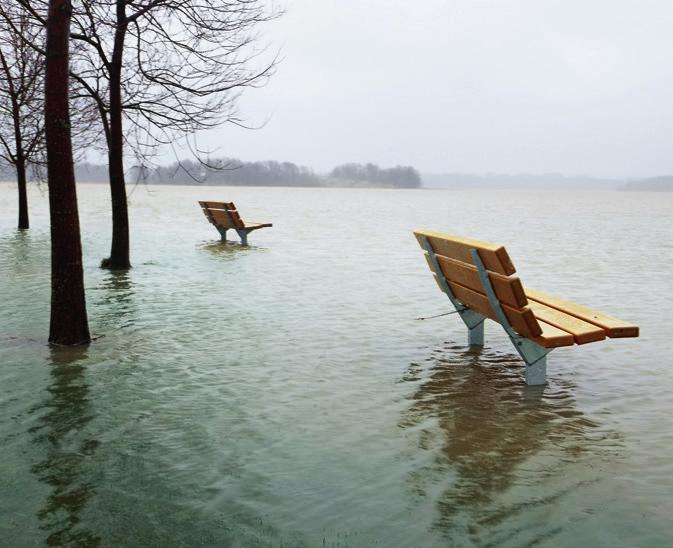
69, 323
23, 195
20, 157
119, 253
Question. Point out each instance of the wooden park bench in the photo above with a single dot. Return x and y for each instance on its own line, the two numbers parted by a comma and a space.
478, 279
225, 216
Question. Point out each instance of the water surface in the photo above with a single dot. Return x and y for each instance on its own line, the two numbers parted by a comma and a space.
285, 395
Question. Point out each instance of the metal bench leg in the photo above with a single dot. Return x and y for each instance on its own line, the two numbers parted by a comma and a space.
535, 357
536, 374
244, 236
473, 321
223, 233
533, 354
475, 335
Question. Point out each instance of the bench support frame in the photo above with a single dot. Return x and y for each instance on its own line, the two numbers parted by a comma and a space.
533, 354
473, 321
243, 234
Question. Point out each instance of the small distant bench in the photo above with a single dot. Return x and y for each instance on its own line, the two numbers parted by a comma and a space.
225, 216
477, 278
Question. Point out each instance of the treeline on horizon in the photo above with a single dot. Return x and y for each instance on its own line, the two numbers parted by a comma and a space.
267, 173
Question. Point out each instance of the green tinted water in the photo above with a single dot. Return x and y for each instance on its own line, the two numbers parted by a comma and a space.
284, 395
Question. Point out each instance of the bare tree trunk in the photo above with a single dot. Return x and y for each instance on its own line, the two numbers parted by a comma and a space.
20, 163
23, 195
19, 157
69, 324
119, 253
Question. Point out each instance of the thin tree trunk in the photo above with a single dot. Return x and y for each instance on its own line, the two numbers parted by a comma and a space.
20, 165
69, 324
23, 195
19, 159
119, 253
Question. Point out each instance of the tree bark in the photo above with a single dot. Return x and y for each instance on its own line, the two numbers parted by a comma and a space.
18, 158
24, 223
20, 164
69, 324
119, 253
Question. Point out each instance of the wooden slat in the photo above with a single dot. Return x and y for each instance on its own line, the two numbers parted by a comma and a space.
206, 212
212, 205
238, 222
523, 321
553, 337
222, 218
218, 205
583, 332
255, 226
613, 327
509, 290
494, 256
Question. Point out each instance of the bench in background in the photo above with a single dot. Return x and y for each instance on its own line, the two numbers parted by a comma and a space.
225, 217
478, 279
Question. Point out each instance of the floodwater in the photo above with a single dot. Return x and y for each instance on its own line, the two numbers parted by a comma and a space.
285, 394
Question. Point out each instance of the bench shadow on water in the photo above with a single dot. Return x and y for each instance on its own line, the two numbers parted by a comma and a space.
61, 431
496, 437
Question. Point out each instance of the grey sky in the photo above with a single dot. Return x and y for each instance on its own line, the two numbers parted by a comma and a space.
582, 87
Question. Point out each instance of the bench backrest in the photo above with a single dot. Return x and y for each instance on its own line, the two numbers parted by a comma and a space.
223, 214
453, 257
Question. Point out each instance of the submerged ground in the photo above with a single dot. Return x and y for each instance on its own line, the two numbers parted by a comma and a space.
284, 395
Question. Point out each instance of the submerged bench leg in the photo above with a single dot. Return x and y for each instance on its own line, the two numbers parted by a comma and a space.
535, 357
223, 233
533, 354
536, 373
244, 236
475, 335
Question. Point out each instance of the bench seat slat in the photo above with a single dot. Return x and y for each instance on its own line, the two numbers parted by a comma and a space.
509, 290
553, 337
495, 257
583, 332
613, 327
522, 320
255, 226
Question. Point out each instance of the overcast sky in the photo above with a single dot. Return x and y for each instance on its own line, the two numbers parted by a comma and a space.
474, 86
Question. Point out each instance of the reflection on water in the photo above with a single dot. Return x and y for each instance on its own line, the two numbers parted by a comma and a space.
228, 250
491, 427
67, 450
114, 299
118, 285
17, 246
117, 289
19, 251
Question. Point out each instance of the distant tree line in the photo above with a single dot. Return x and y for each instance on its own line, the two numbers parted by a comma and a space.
227, 171
230, 171
663, 183
395, 177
